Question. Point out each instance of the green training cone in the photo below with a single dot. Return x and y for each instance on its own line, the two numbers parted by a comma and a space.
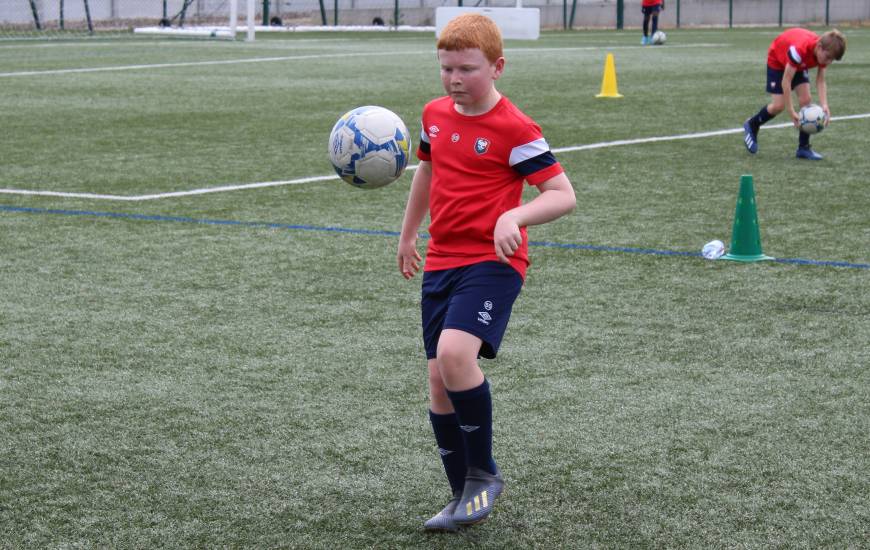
746, 236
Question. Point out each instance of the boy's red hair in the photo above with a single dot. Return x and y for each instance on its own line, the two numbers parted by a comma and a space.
472, 31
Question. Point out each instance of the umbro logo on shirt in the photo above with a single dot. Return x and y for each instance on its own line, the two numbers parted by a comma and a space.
433, 131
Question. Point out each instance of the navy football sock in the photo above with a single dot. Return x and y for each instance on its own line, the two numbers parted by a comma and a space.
451, 446
645, 24
803, 140
655, 23
474, 411
760, 118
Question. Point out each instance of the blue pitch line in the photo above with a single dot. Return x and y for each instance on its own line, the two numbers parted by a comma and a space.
301, 227
185, 219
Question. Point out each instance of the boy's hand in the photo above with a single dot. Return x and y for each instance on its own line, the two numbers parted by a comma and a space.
408, 257
795, 119
507, 237
827, 111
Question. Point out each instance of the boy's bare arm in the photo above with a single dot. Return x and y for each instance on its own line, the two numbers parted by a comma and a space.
787, 76
418, 204
822, 89
556, 199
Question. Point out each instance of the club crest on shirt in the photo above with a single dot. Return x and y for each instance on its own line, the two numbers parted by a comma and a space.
481, 145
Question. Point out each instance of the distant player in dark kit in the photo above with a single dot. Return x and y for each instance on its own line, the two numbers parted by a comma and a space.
650, 9
476, 151
789, 58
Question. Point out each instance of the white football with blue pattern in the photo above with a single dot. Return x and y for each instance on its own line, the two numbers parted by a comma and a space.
369, 147
812, 119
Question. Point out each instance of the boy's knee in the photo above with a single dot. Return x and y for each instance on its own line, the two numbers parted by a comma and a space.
450, 360
456, 367
457, 359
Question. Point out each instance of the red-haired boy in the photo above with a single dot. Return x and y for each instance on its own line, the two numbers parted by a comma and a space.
476, 151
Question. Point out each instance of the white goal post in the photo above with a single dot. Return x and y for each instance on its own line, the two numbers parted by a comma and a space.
228, 29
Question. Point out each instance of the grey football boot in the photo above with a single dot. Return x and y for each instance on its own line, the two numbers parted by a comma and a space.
443, 520
481, 490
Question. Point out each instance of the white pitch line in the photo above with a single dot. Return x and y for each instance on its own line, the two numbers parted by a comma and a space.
67, 195
201, 191
299, 58
312, 179
192, 64
699, 135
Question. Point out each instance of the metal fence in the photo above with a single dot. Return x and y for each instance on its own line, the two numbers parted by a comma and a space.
555, 14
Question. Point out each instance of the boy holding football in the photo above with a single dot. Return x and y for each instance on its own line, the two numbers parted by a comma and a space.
789, 58
476, 150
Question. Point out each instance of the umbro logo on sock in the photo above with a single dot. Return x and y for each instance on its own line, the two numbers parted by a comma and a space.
466, 428
444, 452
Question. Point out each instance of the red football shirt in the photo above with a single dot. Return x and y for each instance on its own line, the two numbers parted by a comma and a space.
651, 3
794, 47
479, 164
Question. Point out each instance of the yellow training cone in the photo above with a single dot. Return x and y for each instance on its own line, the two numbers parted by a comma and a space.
608, 84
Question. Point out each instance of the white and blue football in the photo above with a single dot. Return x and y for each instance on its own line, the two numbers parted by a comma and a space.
812, 119
369, 147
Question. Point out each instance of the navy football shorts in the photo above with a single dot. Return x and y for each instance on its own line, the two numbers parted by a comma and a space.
476, 299
651, 10
774, 80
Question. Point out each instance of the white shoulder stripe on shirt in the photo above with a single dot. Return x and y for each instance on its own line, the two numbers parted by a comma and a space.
794, 55
528, 151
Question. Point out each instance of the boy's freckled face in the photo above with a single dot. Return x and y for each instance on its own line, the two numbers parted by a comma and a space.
467, 75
